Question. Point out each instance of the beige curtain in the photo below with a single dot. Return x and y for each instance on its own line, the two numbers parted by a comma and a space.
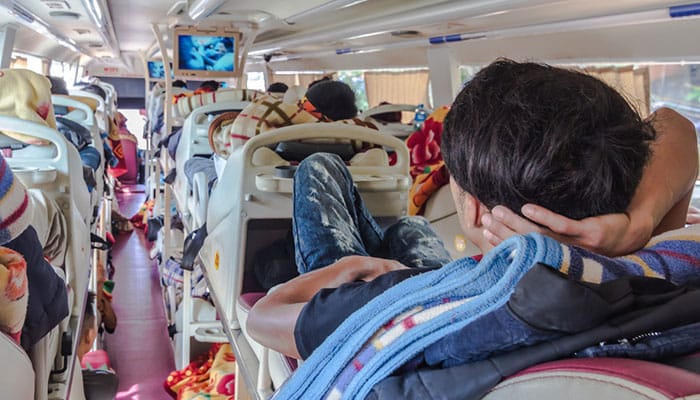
306, 79
632, 83
18, 62
302, 80
410, 87
288, 79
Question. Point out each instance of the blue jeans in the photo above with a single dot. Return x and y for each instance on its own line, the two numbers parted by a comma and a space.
331, 221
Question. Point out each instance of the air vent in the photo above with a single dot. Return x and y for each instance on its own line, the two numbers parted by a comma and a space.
406, 34
95, 45
64, 14
81, 31
56, 4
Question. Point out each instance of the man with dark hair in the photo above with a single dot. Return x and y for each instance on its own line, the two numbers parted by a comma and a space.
317, 81
208, 86
180, 84
58, 85
277, 87
333, 99
517, 133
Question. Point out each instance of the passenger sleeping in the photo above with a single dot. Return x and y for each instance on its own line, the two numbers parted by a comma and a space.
477, 121
47, 303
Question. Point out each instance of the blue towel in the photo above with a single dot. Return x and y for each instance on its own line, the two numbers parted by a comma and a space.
487, 284
429, 306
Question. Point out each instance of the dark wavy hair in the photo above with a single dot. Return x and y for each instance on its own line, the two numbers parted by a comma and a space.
277, 87
334, 99
530, 133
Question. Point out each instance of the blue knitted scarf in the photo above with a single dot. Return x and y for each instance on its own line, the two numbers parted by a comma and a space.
400, 323
487, 286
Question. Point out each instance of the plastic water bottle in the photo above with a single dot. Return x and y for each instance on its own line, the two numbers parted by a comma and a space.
419, 117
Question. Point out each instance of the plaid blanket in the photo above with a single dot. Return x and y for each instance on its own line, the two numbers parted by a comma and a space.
185, 103
264, 114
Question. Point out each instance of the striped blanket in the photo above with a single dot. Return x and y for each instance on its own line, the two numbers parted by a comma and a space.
264, 114
395, 326
185, 103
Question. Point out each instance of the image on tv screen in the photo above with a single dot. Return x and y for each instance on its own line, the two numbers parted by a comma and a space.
156, 70
206, 53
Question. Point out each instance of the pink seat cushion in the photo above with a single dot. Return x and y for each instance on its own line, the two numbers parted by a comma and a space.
248, 300
96, 359
673, 382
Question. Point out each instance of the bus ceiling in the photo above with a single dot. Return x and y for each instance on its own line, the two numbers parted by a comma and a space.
358, 34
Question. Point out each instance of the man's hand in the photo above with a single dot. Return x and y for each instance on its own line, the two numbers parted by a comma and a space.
610, 234
693, 216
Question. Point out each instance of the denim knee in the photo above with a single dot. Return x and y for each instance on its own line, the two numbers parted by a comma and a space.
413, 242
325, 163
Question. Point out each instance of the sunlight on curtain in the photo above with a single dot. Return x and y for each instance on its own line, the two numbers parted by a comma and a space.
287, 79
631, 82
404, 87
300, 79
306, 79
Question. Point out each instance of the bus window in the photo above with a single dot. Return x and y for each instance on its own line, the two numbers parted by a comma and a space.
677, 86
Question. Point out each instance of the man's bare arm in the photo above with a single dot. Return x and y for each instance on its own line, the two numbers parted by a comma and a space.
272, 320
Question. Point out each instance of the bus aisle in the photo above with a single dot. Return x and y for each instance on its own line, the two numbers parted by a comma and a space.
140, 349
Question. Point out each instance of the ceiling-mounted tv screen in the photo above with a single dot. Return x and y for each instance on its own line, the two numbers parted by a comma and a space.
206, 54
156, 70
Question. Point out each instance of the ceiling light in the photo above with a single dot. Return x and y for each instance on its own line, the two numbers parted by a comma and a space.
354, 3
201, 9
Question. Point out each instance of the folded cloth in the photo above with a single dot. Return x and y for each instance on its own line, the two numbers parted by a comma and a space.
78, 135
200, 164
91, 157
172, 141
13, 287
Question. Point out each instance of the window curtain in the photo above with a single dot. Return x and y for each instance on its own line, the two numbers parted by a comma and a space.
408, 87
306, 79
302, 80
631, 82
287, 79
